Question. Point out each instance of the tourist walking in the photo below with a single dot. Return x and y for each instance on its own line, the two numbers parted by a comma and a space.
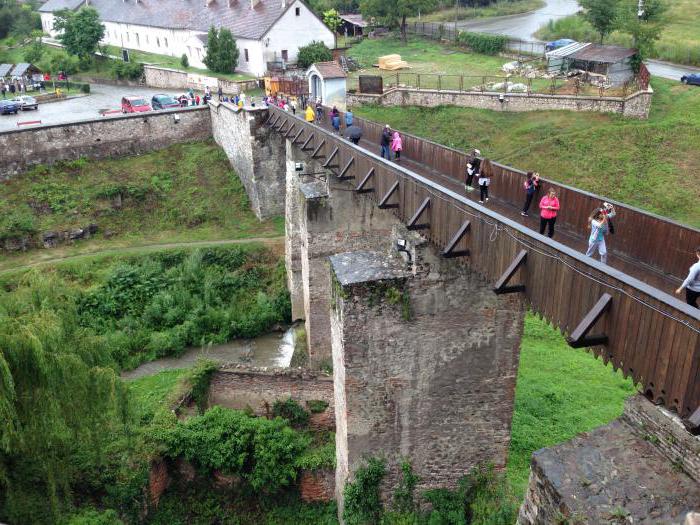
293, 106
473, 168
549, 207
531, 184
484, 181
396, 146
692, 283
598, 223
354, 134
220, 93
319, 109
335, 121
309, 116
385, 143
349, 117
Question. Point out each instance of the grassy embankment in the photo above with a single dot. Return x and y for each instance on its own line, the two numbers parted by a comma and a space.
679, 42
499, 8
183, 193
652, 164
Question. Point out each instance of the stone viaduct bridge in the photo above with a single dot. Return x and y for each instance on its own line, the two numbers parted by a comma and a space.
417, 293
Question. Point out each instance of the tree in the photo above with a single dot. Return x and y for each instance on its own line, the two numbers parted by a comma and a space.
645, 25
222, 51
34, 52
314, 52
394, 14
602, 15
80, 32
332, 19
184, 61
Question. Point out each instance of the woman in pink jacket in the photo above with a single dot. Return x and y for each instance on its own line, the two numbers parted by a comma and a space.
396, 146
549, 207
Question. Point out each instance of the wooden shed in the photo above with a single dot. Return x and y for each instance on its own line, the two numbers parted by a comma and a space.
614, 62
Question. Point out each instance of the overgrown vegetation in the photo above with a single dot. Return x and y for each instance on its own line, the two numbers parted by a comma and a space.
486, 44
183, 192
18, 19
583, 149
316, 51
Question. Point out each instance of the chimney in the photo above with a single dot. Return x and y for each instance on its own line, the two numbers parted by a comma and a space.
254, 3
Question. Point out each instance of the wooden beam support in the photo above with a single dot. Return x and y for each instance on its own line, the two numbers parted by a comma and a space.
296, 137
692, 423
449, 250
273, 122
361, 187
579, 338
330, 158
289, 131
315, 154
281, 127
383, 203
306, 142
341, 175
413, 221
501, 286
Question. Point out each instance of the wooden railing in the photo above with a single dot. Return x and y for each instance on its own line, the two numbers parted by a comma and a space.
646, 333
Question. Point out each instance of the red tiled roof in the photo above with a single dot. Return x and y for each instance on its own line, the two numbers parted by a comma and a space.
329, 69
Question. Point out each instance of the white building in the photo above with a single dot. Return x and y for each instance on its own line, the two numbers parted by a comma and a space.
265, 30
327, 82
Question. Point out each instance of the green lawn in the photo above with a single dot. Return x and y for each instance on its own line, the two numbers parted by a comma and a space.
679, 42
186, 192
499, 8
653, 164
560, 393
150, 393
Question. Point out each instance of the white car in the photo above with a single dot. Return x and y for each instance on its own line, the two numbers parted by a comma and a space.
26, 102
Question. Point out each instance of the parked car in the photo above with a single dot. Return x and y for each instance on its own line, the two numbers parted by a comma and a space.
556, 44
133, 104
8, 106
26, 102
164, 102
693, 78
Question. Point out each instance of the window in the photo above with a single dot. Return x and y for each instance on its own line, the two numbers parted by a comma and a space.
146, 38
127, 37
189, 51
137, 39
165, 42
297, 11
285, 55
158, 41
247, 58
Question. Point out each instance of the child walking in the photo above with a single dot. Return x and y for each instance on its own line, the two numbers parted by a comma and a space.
531, 184
473, 168
396, 146
484, 181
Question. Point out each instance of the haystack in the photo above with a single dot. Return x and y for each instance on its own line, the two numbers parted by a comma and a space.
392, 62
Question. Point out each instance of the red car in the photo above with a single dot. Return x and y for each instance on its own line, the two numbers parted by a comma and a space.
133, 104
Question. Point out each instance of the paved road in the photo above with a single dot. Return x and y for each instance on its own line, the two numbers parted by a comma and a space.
524, 26
101, 97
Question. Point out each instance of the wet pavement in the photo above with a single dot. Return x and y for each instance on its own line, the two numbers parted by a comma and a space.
102, 97
269, 350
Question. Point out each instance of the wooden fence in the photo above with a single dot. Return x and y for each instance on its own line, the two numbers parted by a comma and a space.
648, 334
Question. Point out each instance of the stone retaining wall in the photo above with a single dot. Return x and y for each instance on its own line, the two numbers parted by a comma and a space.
166, 78
104, 137
240, 387
636, 105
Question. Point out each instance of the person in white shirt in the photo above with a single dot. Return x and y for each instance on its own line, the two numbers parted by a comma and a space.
692, 283
598, 223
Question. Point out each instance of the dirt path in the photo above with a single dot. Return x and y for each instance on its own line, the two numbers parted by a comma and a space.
273, 241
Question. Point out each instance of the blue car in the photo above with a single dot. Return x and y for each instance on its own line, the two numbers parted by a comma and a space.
693, 79
556, 44
8, 106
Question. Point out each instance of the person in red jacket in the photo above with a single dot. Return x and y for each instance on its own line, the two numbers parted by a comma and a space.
549, 207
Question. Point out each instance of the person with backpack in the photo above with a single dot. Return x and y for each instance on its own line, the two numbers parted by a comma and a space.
531, 183
549, 207
396, 146
598, 223
484, 181
335, 121
348, 118
473, 168
692, 283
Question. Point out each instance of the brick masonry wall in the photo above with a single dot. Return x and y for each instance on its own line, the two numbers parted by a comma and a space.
239, 387
256, 153
317, 485
664, 430
100, 138
636, 105
437, 388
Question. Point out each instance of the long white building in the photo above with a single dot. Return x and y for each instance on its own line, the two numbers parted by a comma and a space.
265, 30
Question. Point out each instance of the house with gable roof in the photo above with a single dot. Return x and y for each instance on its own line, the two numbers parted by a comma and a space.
265, 30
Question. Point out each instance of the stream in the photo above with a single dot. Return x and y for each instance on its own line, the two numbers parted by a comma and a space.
269, 350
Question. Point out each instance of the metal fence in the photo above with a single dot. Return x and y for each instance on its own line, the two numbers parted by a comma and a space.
649, 335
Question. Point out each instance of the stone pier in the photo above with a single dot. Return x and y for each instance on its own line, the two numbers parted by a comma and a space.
425, 358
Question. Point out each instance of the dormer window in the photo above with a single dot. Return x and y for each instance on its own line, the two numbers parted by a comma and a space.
297, 11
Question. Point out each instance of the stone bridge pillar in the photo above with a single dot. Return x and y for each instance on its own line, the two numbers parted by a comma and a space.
323, 217
425, 359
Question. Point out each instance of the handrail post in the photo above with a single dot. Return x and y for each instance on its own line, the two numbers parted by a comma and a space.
461, 82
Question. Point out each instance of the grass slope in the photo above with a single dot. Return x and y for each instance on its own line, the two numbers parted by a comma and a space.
560, 393
185, 192
679, 42
653, 164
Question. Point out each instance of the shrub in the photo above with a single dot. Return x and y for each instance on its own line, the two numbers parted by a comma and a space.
64, 62
85, 88
316, 51
292, 411
17, 223
34, 52
184, 61
363, 503
316, 406
198, 379
126, 70
483, 43
404, 494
